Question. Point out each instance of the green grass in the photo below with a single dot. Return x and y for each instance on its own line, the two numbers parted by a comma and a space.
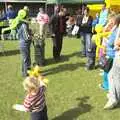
72, 94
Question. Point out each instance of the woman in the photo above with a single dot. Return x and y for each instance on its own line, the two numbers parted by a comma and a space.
86, 31
114, 75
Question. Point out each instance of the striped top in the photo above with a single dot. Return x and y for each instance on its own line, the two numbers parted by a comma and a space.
35, 103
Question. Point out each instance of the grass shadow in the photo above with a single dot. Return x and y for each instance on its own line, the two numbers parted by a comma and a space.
73, 113
64, 58
51, 61
62, 68
10, 53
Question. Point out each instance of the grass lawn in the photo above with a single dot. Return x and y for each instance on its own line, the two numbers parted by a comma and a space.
72, 94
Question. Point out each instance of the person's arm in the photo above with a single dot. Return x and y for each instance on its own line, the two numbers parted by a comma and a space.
26, 106
51, 22
89, 23
25, 32
46, 19
19, 107
90, 20
27, 103
4, 17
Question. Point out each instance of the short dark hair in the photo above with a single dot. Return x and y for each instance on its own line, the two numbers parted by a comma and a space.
105, 4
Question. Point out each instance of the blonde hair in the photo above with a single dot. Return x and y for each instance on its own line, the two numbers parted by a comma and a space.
112, 15
31, 84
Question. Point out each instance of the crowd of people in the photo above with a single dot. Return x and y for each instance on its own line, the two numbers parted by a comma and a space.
100, 44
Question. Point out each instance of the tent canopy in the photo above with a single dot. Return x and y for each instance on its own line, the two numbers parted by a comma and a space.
74, 1
35, 1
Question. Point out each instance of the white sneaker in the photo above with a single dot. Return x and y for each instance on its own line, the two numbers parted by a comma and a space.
101, 74
101, 70
110, 104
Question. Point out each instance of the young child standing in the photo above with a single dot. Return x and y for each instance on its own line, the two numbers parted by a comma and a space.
35, 99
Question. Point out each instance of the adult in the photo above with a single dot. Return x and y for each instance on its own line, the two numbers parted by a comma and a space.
10, 13
86, 31
79, 20
103, 15
114, 75
58, 23
42, 20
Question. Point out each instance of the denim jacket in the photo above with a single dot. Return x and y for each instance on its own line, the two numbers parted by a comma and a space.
23, 34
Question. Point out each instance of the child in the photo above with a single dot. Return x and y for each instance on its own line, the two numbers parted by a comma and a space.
114, 77
110, 51
35, 100
24, 37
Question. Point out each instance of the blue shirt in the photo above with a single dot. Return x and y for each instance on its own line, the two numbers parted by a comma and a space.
103, 17
10, 14
110, 51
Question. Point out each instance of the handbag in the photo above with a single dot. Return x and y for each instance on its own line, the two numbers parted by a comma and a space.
105, 63
75, 30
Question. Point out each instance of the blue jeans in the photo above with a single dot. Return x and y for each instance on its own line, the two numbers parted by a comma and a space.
42, 115
85, 42
26, 59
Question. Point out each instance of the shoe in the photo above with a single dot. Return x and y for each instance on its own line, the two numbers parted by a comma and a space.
110, 104
102, 87
101, 70
101, 74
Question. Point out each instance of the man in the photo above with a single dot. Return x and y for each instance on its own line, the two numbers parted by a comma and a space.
10, 14
58, 23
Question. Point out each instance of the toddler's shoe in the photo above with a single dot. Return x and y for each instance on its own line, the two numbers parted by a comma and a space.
101, 74
102, 87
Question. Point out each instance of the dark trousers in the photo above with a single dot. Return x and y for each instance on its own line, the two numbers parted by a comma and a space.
90, 62
42, 115
26, 59
91, 55
57, 45
39, 47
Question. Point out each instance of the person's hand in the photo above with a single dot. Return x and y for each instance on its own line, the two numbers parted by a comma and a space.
19, 107
117, 42
14, 106
53, 35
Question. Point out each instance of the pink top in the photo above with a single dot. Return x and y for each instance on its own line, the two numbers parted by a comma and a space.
42, 18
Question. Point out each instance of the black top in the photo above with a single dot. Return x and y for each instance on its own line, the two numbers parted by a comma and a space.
55, 24
86, 27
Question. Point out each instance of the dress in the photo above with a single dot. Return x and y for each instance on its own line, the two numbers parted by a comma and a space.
114, 79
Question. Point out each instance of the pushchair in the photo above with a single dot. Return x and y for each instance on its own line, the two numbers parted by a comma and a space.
38, 37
